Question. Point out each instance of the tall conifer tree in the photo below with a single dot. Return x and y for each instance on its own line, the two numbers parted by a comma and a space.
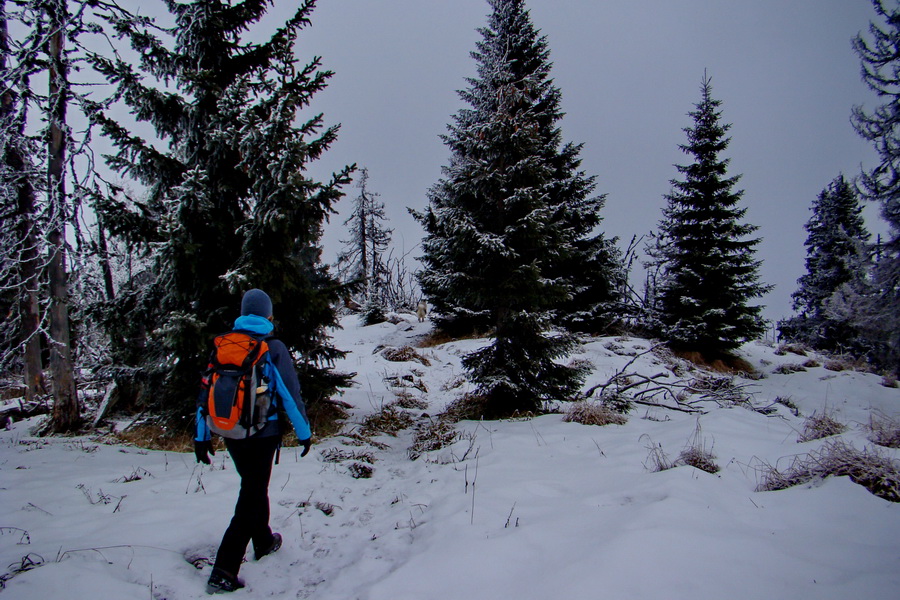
510, 224
880, 313
836, 255
709, 273
228, 205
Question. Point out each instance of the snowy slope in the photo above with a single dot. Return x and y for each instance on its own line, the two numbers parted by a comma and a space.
532, 508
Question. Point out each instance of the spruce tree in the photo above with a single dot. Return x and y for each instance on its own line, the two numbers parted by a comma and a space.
228, 206
836, 255
510, 225
709, 272
879, 315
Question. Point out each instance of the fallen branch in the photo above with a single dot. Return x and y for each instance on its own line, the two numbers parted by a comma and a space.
653, 391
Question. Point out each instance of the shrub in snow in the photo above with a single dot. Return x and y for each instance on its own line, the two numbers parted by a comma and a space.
788, 368
335, 455
405, 354
836, 364
844, 363
373, 312
615, 401
404, 399
591, 413
434, 435
884, 431
789, 404
868, 467
388, 420
327, 419
453, 383
699, 458
797, 349
821, 426
468, 407
657, 460
696, 454
361, 471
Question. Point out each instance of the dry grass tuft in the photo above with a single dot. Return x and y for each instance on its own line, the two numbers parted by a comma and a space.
696, 454
336, 455
846, 363
836, 364
468, 407
884, 430
869, 468
453, 383
816, 427
326, 419
431, 436
591, 413
797, 349
361, 471
405, 354
438, 338
657, 460
388, 420
699, 458
723, 363
789, 404
788, 368
406, 400
153, 436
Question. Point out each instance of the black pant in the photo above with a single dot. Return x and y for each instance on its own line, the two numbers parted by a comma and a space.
253, 460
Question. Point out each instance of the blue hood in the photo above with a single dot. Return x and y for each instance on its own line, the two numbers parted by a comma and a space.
254, 324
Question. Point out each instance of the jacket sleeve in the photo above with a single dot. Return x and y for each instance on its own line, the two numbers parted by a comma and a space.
203, 433
288, 387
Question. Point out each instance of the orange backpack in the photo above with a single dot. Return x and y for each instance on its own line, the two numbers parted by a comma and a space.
239, 400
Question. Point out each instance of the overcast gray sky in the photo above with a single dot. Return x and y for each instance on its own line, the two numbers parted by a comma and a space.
629, 73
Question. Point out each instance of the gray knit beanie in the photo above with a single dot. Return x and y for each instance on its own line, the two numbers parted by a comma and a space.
256, 302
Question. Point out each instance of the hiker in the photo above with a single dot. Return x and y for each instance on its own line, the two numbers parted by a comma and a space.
253, 452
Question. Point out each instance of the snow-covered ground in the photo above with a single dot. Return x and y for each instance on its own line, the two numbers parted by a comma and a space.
527, 509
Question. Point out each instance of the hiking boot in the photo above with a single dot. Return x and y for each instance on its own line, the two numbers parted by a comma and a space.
276, 544
222, 581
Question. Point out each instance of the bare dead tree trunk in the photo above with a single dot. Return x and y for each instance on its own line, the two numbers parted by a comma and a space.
66, 413
104, 263
26, 246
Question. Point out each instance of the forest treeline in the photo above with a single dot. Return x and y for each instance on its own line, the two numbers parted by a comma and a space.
118, 269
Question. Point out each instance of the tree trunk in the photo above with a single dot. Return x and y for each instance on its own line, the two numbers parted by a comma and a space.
26, 239
66, 413
103, 251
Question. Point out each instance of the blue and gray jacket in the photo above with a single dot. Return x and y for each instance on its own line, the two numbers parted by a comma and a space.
279, 368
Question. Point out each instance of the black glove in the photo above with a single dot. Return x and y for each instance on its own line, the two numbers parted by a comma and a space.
202, 450
307, 444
